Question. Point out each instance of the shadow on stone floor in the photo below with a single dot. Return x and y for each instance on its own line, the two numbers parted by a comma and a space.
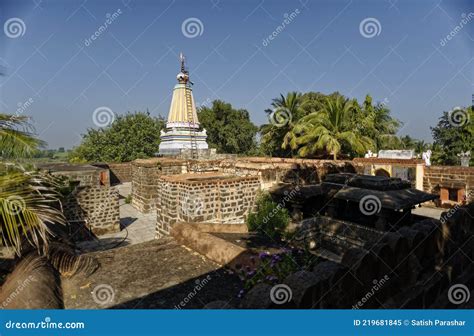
126, 221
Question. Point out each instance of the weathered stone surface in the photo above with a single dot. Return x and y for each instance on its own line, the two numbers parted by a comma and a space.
96, 207
204, 198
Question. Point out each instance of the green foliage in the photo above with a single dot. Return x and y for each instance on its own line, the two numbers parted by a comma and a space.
129, 137
270, 219
374, 121
333, 128
128, 199
275, 137
274, 268
16, 138
452, 137
28, 200
329, 124
228, 130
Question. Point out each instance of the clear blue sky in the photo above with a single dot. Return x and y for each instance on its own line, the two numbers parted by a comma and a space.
133, 63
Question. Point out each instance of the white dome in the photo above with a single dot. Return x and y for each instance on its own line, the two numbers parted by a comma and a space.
182, 76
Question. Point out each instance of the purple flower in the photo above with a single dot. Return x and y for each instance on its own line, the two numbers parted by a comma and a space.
263, 255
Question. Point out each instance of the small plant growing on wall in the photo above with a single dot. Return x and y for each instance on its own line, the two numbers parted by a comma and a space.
269, 219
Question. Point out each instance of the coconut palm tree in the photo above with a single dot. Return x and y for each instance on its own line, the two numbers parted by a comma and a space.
16, 139
28, 200
331, 128
279, 133
377, 124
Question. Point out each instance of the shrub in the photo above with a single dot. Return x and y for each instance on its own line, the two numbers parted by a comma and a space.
269, 219
272, 269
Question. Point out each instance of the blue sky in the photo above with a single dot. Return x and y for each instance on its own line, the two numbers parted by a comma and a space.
133, 63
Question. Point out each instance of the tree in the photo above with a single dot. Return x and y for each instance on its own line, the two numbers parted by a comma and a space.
228, 130
454, 134
332, 128
16, 139
29, 201
129, 137
376, 123
278, 138
408, 142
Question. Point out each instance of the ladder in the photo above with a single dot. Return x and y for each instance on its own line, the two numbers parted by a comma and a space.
192, 130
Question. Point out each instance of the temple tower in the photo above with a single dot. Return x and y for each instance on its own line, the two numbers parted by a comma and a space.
182, 128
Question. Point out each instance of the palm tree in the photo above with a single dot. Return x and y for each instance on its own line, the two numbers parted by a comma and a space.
279, 133
331, 128
377, 124
420, 146
28, 200
16, 140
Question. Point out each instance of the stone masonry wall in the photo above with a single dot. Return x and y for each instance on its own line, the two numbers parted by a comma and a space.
145, 177
96, 207
87, 177
224, 200
272, 171
436, 177
119, 172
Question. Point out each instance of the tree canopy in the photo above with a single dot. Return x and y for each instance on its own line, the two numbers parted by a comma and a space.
130, 136
453, 134
319, 125
228, 130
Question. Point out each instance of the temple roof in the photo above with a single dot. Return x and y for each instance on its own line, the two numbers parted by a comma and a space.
179, 115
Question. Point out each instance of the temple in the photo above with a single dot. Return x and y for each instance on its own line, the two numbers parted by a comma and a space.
182, 128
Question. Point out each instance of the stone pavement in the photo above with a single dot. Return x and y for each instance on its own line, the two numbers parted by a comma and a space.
135, 227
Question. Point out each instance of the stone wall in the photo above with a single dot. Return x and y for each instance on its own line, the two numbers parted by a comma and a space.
443, 180
95, 207
119, 172
204, 198
145, 180
272, 171
86, 175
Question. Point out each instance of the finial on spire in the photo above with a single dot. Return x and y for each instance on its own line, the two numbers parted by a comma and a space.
182, 59
183, 76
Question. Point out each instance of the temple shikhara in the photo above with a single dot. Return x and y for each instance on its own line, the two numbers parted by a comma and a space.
182, 128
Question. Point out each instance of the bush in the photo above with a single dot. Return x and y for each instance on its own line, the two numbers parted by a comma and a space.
269, 219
